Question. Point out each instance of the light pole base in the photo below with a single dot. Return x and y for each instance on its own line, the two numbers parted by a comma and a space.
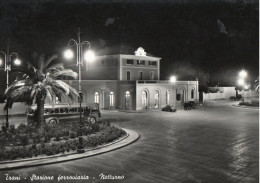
79, 150
7, 124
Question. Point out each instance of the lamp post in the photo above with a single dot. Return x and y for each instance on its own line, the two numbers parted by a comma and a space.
7, 67
88, 56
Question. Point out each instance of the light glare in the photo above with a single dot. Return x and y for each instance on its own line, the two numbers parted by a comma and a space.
17, 61
241, 82
173, 79
247, 87
89, 56
242, 74
68, 54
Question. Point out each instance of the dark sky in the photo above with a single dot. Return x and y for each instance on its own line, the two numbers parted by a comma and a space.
213, 36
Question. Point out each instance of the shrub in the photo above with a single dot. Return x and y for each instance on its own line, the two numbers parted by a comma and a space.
4, 129
72, 135
24, 142
24, 139
12, 129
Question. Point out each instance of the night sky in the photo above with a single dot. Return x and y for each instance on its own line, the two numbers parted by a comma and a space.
206, 39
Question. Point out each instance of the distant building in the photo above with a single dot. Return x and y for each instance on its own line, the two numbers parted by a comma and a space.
124, 78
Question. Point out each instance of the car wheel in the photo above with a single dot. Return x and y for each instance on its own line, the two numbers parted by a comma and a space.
53, 121
92, 120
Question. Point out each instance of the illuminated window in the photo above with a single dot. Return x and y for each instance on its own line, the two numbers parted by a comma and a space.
96, 97
111, 97
127, 99
156, 99
167, 97
140, 62
144, 99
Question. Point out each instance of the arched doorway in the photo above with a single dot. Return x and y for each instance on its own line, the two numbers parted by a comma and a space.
156, 99
182, 96
167, 98
144, 100
97, 97
127, 100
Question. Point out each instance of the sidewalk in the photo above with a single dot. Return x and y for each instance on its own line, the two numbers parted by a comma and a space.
229, 103
131, 137
246, 107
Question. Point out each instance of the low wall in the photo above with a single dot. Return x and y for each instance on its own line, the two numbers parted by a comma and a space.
227, 95
213, 96
249, 93
18, 108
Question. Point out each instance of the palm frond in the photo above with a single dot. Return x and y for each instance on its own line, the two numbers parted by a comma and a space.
41, 62
62, 89
18, 94
54, 68
49, 60
65, 72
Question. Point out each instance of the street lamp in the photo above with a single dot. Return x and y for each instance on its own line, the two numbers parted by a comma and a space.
7, 68
89, 56
241, 81
242, 74
173, 79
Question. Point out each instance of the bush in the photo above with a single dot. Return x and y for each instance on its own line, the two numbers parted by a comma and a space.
72, 135
24, 141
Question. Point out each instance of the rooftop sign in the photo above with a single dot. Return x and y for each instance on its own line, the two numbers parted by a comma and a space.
140, 52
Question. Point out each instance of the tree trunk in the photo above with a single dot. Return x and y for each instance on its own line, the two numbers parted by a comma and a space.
40, 111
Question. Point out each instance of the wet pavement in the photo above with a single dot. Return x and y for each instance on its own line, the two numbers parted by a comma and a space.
213, 144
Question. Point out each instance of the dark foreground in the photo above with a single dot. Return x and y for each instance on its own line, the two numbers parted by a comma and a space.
213, 144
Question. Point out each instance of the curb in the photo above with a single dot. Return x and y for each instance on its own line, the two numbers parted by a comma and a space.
246, 107
131, 137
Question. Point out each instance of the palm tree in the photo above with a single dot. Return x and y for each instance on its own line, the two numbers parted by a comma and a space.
40, 79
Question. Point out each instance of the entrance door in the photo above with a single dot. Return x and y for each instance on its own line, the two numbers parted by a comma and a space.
144, 100
156, 99
106, 100
127, 100
182, 96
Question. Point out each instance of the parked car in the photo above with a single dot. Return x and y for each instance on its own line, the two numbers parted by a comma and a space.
169, 108
189, 105
63, 112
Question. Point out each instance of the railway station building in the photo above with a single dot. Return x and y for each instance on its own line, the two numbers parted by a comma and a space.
123, 78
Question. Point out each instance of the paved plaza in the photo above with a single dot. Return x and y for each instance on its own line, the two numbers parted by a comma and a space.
211, 144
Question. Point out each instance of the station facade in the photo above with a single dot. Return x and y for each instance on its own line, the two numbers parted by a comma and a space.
132, 82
